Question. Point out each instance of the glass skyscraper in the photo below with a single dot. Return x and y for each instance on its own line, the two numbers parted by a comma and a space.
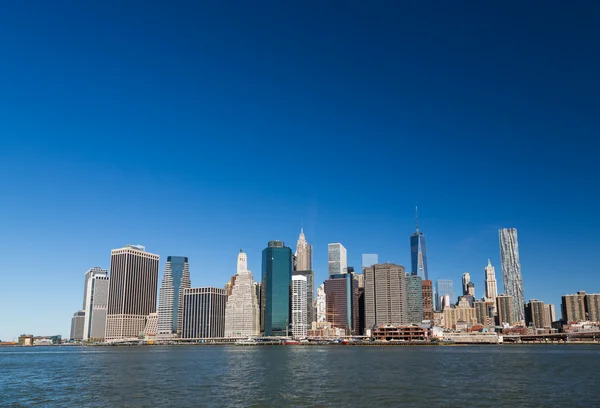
170, 306
444, 287
418, 254
276, 281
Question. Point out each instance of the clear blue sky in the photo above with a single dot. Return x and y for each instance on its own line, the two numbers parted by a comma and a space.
197, 130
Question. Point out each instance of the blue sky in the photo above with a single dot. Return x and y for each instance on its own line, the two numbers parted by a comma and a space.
197, 130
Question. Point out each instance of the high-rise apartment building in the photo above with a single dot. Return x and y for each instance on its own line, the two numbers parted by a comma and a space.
385, 295
414, 298
310, 290
573, 308
338, 259
321, 304
77, 322
592, 307
303, 253
466, 279
341, 292
511, 271
444, 288
504, 308
418, 252
242, 310
95, 303
276, 281
299, 309
491, 288
427, 294
550, 312
176, 279
203, 313
535, 314
132, 291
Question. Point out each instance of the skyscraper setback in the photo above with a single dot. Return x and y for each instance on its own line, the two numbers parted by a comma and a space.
176, 279
242, 309
418, 252
303, 253
491, 288
511, 271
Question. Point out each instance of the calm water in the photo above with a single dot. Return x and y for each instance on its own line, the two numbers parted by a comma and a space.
214, 376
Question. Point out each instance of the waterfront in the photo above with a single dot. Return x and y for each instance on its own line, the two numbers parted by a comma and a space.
229, 376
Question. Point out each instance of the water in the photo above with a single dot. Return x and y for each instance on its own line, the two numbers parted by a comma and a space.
296, 376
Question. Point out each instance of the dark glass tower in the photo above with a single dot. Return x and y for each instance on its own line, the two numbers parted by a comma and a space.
276, 281
418, 253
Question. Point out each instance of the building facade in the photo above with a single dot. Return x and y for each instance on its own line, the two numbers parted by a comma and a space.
242, 311
303, 253
444, 288
592, 307
427, 294
341, 292
276, 282
385, 295
535, 314
337, 259
77, 322
310, 290
203, 313
504, 308
299, 310
466, 279
414, 298
176, 279
132, 291
463, 315
491, 287
321, 304
573, 308
95, 303
511, 271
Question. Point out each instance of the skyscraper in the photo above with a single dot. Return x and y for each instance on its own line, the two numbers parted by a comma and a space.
573, 307
427, 289
341, 292
535, 314
321, 304
466, 278
77, 322
491, 289
242, 310
203, 313
511, 271
504, 307
414, 298
95, 303
592, 307
385, 295
338, 259
303, 253
299, 309
418, 252
276, 281
132, 291
444, 287
310, 290
170, 306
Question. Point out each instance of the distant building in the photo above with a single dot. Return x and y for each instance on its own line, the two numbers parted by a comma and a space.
418, 252
511, 271
203, 313
299, 309
369, 260
491, 287
151, 327
504, 305
427, 294
321, 304
310, 290
95, 303
466, 279
276, 282
132, 291
385, 295
77, 323
550, 313
341, 292
242, 310
462, 315
444, 287
414, 298
338, 259
535, 314
592, 307
573, 308
471, 289
303, 253
176, 279
484, 312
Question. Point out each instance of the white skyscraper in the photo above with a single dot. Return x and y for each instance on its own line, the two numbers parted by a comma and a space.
242, 308
511, 271
299, 306
466, 279
321, 304
170, 305
491, 289
338, 259
95, 303
303, 253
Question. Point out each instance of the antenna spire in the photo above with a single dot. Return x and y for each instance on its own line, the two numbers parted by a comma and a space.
417, 217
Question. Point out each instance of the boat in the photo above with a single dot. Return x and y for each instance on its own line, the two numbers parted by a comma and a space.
290, 342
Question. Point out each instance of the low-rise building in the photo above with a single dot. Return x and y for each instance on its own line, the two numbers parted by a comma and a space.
411, 332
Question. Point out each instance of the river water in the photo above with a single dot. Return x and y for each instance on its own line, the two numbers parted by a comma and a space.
301, 376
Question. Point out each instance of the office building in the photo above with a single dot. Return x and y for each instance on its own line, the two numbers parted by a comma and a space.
310, 290
414, 298
418, 252
338, 259
276, 281
461, 316
132, 291
77, 322
385, 295
303, 253
466, 279
491, 288
299, 309
573, 308
427, 294
341, 292
369, 260
203, 313
511, 271
504, 306
95, 303
242, 311
592, 307
535, 314
444, 288
321, 304
176, 279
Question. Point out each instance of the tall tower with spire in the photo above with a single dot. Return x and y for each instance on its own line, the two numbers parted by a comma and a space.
491, 288
303, 253
418, 251
242, 308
